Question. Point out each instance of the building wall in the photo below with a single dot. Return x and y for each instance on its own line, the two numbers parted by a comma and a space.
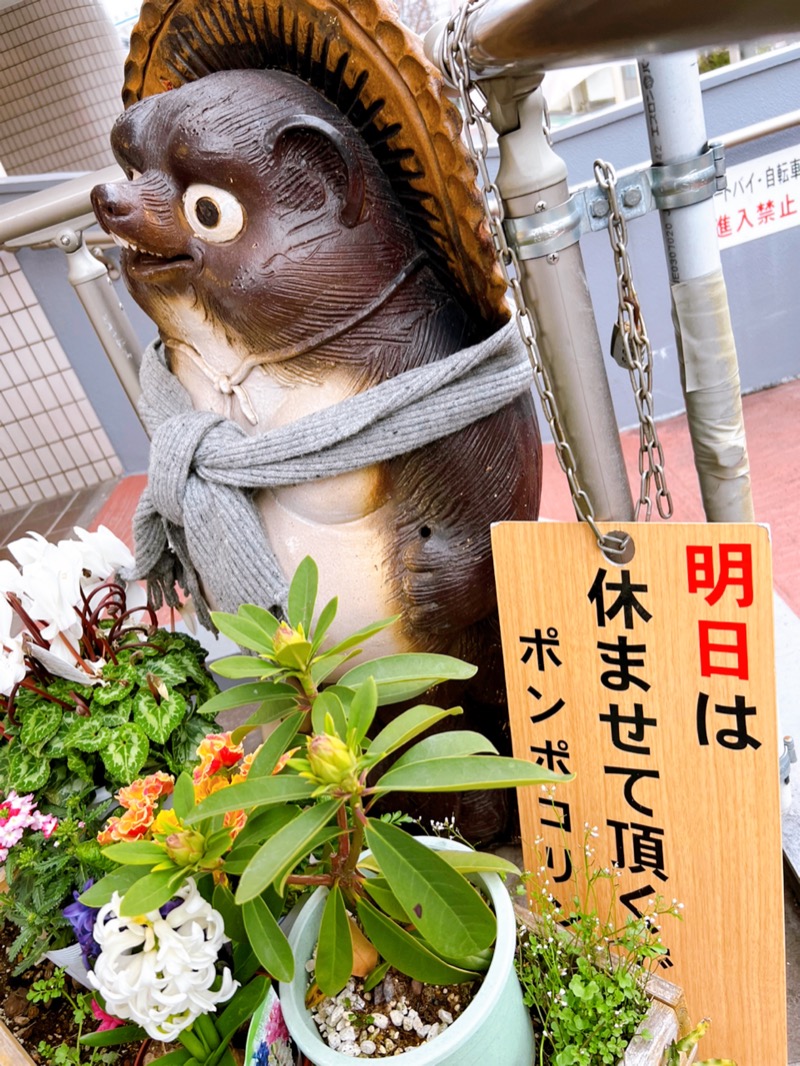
60, 80
60, 76
51, 439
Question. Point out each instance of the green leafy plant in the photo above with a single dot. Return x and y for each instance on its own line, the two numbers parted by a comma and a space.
309, 805
62, 736
92, 693
584, 976
206, 1042
51, 989
42, 873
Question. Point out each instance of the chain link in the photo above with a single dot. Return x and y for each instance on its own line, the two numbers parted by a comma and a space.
476, 114
636, 354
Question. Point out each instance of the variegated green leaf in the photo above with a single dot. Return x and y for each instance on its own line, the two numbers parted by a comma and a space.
126, 752
158, 720
27, 771
40, 723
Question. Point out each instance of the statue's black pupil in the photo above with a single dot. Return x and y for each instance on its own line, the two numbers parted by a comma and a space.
207, 212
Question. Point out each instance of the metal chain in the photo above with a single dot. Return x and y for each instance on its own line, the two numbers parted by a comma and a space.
476, 112
632, 346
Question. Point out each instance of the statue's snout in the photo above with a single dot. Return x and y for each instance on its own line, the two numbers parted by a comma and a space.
110, 204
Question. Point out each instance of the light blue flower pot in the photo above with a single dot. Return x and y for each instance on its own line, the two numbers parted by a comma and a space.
495, 1027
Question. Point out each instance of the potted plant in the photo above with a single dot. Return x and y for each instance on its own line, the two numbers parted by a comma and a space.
305, 821
588, 978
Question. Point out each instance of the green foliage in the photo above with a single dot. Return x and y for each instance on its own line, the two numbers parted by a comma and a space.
49, 990
71, 739
679, 1051
204, 1043
707, 61
583, 975
146, 715
290, 665
42, 877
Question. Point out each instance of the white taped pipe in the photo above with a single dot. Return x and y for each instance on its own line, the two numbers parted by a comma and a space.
676, 130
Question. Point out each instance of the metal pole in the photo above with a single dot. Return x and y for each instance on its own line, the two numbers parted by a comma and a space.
760, 129
676, 130
23, 221
89, 277
532, 179
537, 35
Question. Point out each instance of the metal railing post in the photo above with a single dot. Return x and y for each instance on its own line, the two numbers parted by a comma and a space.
92, 285
673, 110
532, 179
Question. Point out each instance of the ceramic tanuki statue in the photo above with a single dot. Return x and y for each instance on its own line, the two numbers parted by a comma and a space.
309, 243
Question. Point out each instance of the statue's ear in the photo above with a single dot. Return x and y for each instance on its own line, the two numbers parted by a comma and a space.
279, 140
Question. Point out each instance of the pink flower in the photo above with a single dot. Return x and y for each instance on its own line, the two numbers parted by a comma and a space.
48, 824
107, 1021
17, 814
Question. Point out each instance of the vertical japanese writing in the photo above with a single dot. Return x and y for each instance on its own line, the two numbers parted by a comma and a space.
541, 658
723, 576
638, 843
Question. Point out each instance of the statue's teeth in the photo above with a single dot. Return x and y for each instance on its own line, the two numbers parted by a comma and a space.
134, 247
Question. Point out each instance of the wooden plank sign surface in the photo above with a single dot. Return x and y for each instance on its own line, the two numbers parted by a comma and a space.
653, 682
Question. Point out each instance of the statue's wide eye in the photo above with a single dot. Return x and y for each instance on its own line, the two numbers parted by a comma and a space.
214, 214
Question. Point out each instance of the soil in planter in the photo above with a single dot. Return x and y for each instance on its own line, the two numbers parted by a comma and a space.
396, 1015
29, 1023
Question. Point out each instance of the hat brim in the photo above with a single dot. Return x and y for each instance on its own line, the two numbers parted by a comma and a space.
357, 54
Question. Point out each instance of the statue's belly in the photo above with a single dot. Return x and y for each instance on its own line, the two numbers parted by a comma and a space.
352, 549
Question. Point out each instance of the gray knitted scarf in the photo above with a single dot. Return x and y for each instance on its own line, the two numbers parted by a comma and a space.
197, 520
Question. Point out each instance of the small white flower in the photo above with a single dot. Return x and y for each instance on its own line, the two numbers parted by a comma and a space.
103, 554
12, 664
160, 971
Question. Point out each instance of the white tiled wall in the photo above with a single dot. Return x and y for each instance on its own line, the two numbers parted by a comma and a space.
51, 440
61, 69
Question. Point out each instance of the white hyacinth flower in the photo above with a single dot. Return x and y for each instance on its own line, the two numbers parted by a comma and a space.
161, 971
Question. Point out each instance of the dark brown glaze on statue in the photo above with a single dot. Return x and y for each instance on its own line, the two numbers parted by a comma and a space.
306, 304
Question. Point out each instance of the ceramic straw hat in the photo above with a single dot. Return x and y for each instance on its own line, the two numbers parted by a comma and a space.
357, 54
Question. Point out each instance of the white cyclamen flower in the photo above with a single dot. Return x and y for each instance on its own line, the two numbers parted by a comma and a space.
161, 971
51, 583
12, 665
103, 555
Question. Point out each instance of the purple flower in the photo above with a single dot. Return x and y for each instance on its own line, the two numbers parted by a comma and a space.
82, 919
169, 906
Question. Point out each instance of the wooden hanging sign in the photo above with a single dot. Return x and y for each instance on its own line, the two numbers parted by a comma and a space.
653, 682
